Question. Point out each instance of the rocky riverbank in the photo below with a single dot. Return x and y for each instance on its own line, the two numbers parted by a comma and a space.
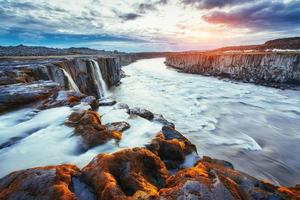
168, 167
26, 83
271, 69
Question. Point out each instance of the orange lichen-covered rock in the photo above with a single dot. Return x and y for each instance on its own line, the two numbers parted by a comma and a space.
197, 182
68, 98
131, 173
292, 193
171, 146
53, 182
88, 125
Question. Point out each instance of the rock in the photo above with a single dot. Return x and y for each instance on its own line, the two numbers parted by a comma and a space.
141, 112
160, 118
107, 102
118, 126
88, 125
53, 182
216, 181
68, 98
12, 96
172, 147
122, 106
265, 68
127, 174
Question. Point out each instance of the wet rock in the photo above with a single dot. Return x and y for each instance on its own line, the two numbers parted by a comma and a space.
127, 174
160, 118
118, 126
172, 147
12, 96
198, 183
53, 182
141, 112
68, 98
88, 125
107, 102
122, 106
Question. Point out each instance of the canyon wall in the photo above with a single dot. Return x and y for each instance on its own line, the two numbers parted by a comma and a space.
26, 83
84, 72
261, 68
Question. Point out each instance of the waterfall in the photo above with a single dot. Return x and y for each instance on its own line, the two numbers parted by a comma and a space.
71, 81
102, 88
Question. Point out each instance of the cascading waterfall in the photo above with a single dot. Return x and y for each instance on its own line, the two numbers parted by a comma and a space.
71, 81
102, 88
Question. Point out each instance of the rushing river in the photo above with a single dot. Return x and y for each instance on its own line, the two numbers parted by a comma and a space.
254, 127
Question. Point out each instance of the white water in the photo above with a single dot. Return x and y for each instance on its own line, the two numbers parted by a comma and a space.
254, 127
102, 88
71, 81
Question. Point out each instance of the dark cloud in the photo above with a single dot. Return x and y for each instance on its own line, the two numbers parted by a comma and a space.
129, 16
267, 15
144, 7
209, 4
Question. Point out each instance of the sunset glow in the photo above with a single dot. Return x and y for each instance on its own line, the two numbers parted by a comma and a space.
154, 25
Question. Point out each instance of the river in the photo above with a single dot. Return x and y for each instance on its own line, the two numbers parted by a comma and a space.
256, 128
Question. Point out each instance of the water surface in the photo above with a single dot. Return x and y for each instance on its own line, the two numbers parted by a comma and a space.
256, 128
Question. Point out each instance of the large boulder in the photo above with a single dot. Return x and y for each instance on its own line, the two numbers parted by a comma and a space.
217, 180
127, 174
47, 183
15, 95
68, 98
88, 125
172, 147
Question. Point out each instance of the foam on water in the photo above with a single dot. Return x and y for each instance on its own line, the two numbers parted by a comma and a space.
254, 127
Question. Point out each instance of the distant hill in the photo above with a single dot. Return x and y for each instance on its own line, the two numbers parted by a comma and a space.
283, 43
22, 50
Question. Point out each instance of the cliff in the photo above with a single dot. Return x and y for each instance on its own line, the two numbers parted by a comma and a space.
90, 76
261, 68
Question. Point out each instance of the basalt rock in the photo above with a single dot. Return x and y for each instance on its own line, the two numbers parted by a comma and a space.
47, 183
68, 98
118, 126
141, 112
160, 118
215, 180
127, 174
107, 102
122, 106
261, 68
172, 147
15, 95
88, 125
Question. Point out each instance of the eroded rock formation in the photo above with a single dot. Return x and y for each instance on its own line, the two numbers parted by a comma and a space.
141, 174
52, 182
132, 173
88, 125
15, 95
261, 68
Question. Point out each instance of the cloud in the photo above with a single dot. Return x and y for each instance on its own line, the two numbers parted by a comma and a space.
210, 4
144, 7
265, 15
129, 16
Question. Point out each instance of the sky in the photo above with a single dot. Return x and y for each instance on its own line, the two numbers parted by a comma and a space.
147, 25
